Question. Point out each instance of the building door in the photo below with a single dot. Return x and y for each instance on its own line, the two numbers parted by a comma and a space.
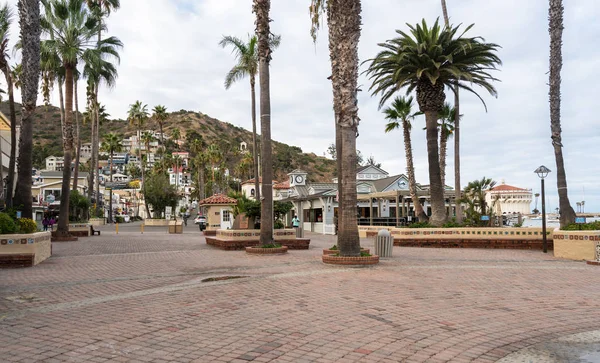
226, 219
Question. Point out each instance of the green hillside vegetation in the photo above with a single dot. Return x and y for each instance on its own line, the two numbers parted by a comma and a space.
48, 141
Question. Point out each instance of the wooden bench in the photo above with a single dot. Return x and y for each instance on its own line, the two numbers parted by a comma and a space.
93, 231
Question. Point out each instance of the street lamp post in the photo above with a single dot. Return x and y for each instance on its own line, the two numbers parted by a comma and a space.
542, 172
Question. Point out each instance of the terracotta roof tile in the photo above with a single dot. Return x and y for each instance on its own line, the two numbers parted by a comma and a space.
507, 188
282, 185
218, 199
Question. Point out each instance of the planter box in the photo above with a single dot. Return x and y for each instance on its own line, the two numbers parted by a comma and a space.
266, 251
156, 222
24, 250
333, 252
356, 261
97, 221
232, 239
576, 245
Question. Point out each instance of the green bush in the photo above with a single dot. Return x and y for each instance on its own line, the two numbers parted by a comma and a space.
452, 224
420, 225
27, 225
279, 224
7, 224
119, 219
583, 227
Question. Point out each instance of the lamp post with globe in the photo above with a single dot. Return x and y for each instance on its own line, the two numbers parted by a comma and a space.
542, 172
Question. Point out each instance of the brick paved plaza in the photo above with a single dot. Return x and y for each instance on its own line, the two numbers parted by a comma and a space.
141, 298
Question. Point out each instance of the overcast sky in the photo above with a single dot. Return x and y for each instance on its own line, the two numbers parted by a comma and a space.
172, 57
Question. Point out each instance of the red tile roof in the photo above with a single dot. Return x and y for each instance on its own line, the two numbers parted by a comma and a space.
218, 199
507, 188
282, 185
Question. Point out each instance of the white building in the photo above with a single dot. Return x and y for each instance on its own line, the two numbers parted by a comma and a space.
507, 199
55, 163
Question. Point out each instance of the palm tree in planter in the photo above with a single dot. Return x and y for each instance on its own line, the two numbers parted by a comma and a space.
400, 112
160, 115
73, 27
428, 60
29, 23
112, 144
556, 10
246, 54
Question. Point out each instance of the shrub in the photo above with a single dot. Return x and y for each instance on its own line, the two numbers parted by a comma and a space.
421, 225
7, 224
452, 224
119, 219
279, 224
27, 225
583, 227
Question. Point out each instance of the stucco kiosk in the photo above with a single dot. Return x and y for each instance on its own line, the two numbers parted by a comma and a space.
219, 213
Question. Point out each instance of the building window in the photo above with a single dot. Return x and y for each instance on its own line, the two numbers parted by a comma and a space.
252, 192
226, 216
313, 215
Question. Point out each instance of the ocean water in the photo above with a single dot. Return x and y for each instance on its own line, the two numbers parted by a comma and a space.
550, 224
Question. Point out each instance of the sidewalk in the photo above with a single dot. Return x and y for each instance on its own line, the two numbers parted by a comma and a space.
141, 298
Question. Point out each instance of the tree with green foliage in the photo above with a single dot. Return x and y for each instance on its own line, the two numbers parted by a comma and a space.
159, 193
446, 121
137, 115
428, 60
160, 115
246, 54
400, 112
474, 199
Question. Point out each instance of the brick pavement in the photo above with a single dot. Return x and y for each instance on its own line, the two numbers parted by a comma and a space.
140, 298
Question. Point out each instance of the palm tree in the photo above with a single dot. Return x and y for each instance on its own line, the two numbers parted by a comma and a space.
214, 157
77, 137
556, 10
6, 17
160, 115
474, 195
247, 66
176, 135
29, 22
344, 19
401, 112
73, 27
111, 144
200, 161
446, 121
428, 60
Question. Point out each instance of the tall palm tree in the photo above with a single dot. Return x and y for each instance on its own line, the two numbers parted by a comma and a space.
176, 135
138, 114
29, 22
112, 144
214, 156
455, 89
556, 10
200, 161
74, 28
344, 20
446, 121
160, 115
401, 112
246, 54
6, 17
77, 135
428, 60
102, 72
476, 190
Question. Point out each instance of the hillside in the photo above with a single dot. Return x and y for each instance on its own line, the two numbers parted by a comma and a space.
47, 139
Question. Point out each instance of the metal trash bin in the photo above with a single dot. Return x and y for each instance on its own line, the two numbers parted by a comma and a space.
384, 243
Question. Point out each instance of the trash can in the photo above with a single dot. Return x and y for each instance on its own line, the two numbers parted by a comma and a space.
175, 227
384, 243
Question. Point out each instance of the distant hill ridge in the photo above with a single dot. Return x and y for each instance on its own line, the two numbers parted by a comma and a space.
48, 140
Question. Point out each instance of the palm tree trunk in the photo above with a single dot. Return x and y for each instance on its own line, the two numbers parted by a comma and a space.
63, 216
436, 191
93, 169
261, 9
344, 34
162, 135
445, 12
443, 151
254, 146
143, 167
202, 186
457, 187
110, 209
410, 170
61, 103
78, 150
29, 21
556, 9
10, 178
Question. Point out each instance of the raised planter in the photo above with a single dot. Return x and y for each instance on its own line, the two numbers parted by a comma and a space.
156, 222
576, 245
24, 250
333, 252
97, 221
232, 239
266, 251
354, 261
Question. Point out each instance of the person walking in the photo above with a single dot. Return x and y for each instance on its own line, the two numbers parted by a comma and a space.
45, 223
295, 222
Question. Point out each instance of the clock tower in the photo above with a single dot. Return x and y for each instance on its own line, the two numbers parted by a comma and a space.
297, 177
